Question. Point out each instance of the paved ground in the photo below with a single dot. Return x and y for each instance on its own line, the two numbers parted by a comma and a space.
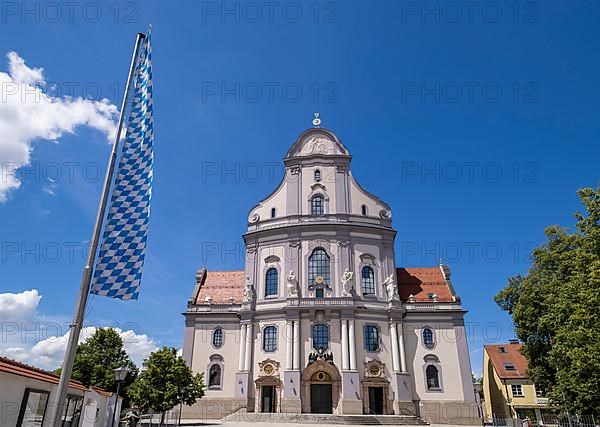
232, 424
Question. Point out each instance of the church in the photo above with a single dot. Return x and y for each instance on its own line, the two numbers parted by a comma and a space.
322, 320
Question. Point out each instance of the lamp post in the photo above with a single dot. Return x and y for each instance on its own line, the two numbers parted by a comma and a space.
120, 375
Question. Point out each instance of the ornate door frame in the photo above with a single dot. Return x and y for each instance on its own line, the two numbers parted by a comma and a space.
321, 372
375, 377
268, 376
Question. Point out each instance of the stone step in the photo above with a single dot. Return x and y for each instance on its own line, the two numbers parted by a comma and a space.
252, 417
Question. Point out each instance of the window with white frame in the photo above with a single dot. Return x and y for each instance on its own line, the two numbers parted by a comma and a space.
371, 334
317, 205
318, 175
271, 283
538, 391
270, 339
320, 335
517, 390
367, 280
318, 265
432, 372
215, 372
428, 338
218, 338
433, 378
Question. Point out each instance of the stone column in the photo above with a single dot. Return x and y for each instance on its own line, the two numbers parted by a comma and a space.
291, 402
242, 377
345, 360
400, 333
241, 364
289, 345
352, 340
351, 388
249, 346
296, 346
401, 379
394, 342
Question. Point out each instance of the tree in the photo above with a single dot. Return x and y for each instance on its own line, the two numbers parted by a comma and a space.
98, 357
165, 382
555, 311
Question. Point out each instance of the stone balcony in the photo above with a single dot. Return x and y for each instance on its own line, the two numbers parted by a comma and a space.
320, 302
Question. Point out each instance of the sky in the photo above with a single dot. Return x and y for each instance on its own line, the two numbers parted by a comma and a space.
475, 123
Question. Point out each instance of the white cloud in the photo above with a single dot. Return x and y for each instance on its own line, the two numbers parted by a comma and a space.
18, 306
30, 337
137, 346
48, 353
29, 113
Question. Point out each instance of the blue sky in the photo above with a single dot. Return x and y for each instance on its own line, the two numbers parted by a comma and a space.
476, 126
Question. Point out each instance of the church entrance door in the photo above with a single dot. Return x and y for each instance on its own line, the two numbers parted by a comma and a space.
268, 399
321, 399
376, 400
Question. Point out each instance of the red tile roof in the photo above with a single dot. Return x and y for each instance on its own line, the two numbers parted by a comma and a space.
21, 369
420, 282
512, 356
221, 286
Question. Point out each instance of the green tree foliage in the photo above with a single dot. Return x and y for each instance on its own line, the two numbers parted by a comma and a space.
165, 382
98, 357
556, 307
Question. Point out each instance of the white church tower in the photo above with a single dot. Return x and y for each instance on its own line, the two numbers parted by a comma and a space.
321, 320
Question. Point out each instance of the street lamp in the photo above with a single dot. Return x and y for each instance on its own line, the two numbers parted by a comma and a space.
120, 375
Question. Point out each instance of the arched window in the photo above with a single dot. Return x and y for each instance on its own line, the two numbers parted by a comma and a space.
317, 205
364, 209
367, 279
317, 175
218, 338
214, 376
273, 212
214, 372
321, 337
270, 339
271, 285
371, 333
428, 340
433, 378
318, 266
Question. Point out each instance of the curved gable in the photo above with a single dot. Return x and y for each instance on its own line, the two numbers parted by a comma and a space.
317, 142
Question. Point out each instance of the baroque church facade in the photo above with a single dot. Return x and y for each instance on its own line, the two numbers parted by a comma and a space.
321, 320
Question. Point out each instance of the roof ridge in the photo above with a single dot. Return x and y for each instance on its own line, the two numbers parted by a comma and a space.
25, 366
225, 271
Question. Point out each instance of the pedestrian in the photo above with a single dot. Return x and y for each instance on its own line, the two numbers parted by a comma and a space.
131, 417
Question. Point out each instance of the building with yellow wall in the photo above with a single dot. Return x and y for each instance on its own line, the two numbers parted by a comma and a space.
508, 393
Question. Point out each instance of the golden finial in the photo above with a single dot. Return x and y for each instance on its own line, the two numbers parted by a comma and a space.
316, 121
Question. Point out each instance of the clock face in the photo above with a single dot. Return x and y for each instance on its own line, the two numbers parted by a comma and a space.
319, 280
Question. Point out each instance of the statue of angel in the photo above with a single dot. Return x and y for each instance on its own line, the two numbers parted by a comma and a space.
248, 290
347, 283
292, 285
391, 287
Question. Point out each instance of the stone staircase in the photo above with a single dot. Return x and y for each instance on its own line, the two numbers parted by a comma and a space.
393, 420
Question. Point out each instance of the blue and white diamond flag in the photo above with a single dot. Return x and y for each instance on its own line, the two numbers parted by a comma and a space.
119, 265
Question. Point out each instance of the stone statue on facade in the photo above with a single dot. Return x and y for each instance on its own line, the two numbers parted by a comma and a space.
392, 287
292, 285
347, 283
248, 290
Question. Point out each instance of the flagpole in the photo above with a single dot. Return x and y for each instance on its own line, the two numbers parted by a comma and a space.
84, 287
